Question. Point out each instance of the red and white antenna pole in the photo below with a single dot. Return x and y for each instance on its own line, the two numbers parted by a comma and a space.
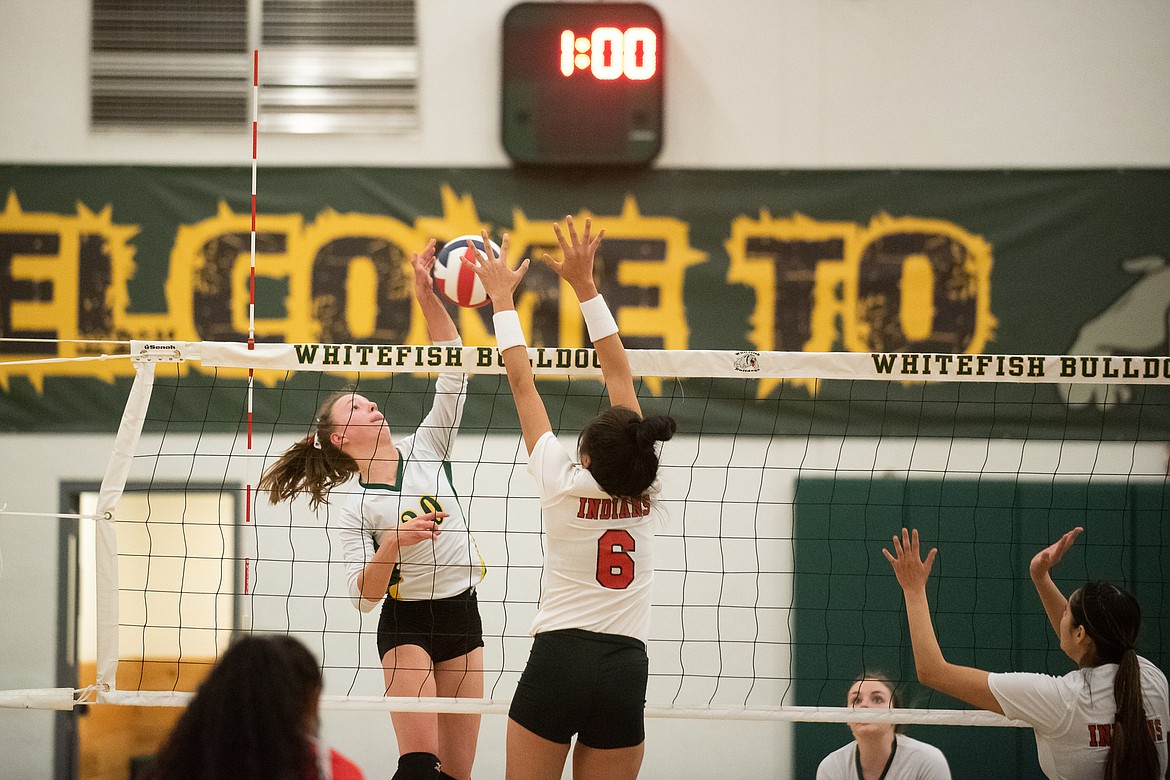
252, 266
251, 316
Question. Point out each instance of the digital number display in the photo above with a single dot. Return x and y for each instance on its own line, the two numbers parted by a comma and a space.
609, 53
582, 83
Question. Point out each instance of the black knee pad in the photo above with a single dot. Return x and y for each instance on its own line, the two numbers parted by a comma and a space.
417, 766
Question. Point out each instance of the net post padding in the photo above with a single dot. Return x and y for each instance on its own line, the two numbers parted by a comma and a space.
105, 531
38, 699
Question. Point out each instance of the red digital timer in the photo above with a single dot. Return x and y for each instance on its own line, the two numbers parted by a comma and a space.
609, 53
582, 83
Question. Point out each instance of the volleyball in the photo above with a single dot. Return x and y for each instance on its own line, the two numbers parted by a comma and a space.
456, 281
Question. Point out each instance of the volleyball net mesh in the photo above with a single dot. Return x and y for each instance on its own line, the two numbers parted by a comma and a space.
789, 473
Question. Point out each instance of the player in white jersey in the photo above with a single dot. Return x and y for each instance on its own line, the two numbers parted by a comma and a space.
878, 751
1107, 719
407, 545
587, 672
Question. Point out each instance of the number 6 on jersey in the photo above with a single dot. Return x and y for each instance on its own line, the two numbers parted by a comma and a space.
615, 567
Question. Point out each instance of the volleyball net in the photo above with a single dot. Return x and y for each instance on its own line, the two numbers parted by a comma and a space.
789, 473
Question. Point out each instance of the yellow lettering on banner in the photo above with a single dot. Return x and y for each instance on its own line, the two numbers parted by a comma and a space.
954, 263
361, 289
336, 246
794, 266
547, 307
641, 267
207, 287
897, 285
666, 274
46, 253
917, 304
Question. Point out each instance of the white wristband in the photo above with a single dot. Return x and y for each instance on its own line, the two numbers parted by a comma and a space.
508, 331
598, 319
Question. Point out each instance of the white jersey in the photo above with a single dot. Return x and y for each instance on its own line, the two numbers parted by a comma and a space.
1073, 715
452, 563
598, 563
913, 760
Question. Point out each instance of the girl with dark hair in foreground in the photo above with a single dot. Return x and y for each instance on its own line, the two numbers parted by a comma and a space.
254, 718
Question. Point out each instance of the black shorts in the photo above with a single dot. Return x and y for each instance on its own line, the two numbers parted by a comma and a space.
445, 628
584, 683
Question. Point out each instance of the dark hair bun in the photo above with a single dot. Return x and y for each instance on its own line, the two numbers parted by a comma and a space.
654, 429
620, 446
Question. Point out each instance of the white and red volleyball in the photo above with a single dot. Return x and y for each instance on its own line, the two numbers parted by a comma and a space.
456, 281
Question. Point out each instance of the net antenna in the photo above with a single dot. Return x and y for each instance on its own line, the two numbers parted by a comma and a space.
249, 540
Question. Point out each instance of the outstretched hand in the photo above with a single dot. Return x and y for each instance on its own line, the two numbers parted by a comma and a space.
912, 572
1044, 560
423, 264
499, 281
577, 252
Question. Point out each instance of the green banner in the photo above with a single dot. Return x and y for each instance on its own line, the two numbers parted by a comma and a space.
1059, 262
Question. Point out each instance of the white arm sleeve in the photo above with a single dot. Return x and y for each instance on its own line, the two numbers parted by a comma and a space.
1037, 699
357, 546
551, 467
437, 431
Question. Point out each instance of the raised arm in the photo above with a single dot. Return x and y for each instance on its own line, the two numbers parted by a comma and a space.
576, 268
1050, 596
962, 682
439, 322
441, 424
499, 281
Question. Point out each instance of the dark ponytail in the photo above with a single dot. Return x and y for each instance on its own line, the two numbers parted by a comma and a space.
621, 447
1111, 617
313, 465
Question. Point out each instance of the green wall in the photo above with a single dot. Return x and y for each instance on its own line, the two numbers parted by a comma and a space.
848, 607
